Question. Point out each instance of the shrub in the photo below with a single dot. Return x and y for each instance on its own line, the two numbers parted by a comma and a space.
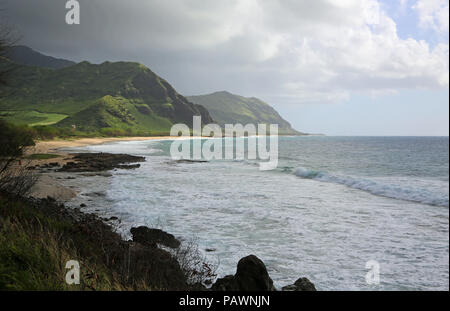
195, 266
14, 140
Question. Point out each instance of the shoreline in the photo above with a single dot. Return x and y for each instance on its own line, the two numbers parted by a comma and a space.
145, 241
55, 146
48, 184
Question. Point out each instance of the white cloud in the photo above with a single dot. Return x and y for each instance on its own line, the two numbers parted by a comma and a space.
291, 50
433, 14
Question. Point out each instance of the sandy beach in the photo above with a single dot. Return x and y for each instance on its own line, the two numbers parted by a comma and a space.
54, 146
48, 185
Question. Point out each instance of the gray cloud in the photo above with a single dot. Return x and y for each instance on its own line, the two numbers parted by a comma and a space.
287, 51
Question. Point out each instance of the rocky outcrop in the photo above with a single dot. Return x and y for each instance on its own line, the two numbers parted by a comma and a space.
97, 162
251, 275
152, 237
133, 263
301, 285
153, 263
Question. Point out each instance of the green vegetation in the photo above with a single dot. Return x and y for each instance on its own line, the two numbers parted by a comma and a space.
34, 248
31, 117
227, 108
87, 100
15, 180
13, 140
116, 113
62, 99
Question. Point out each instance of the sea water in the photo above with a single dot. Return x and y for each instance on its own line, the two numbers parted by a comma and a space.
332, 205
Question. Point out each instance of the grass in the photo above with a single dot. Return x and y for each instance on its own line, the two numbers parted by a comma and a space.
43, 156
32, 117
116, 113
34, 249
226, 108
89, 98
37, 239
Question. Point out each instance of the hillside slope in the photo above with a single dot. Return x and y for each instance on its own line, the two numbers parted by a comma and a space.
24, 55
122, 95
227, 108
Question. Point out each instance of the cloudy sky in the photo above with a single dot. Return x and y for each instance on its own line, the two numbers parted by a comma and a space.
339, 67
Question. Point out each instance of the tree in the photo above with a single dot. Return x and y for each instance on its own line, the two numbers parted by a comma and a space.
13, 142
15, 179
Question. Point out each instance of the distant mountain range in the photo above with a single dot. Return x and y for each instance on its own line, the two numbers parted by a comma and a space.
119, 96
122, 96
227, 108
24, 55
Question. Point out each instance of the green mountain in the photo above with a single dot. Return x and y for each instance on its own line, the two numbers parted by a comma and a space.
227, 108
24, 55
86, 97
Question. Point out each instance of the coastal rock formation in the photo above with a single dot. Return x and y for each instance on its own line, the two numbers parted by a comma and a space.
251, 275
151, 237
153, 263
97, 162
133, 263
301, 285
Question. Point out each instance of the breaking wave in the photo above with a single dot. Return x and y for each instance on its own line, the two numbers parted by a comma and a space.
378, 188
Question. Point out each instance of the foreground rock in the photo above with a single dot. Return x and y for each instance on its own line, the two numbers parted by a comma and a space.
98, 162
301, 285
134, 264
151, 237
251, 275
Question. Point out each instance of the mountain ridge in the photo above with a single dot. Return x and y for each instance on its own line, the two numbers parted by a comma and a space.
130, 97
24, 55
115, 97
229, 108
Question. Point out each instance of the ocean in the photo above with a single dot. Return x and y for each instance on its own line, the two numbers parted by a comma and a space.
332, 205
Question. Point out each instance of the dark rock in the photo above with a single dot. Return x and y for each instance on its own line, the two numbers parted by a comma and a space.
191, 161
157, 265
210, 250
51, 199
198, 287
149, 236
98, 162
301, 285
227, 283
96, 194
128, 167
251, 275
83, 205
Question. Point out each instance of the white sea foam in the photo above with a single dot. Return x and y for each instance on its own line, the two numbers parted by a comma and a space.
311, 226
381, 188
